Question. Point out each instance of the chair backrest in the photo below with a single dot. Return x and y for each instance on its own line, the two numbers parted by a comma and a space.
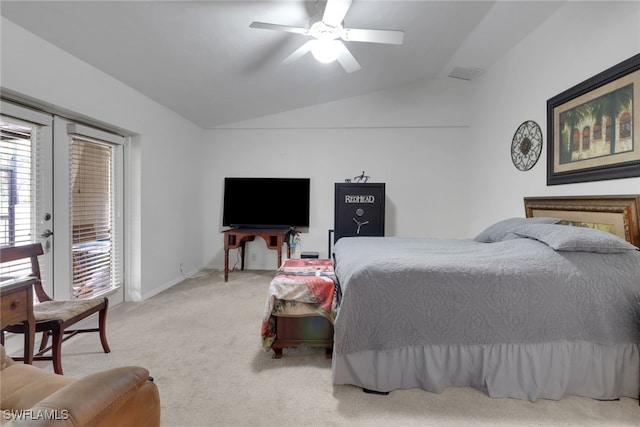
31, 251
14, 253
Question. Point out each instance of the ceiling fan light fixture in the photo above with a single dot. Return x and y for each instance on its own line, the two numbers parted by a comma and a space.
325, 51
322, 31
327, 32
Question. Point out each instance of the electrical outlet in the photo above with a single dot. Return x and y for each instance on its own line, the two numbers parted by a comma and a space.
253, 257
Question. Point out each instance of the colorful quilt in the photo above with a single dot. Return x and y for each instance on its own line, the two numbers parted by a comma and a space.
310, 281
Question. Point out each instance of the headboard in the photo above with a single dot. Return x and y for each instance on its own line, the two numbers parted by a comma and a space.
619, 215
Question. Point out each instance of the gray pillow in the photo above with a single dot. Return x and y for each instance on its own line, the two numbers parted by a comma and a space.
502, 229
575, 239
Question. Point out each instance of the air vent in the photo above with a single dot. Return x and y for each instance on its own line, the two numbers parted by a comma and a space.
466, 73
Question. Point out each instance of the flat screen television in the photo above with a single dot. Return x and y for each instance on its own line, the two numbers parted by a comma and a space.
266, 202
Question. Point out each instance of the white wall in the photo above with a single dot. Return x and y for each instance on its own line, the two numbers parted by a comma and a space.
414, 139
579, 41
443, 147
164, 165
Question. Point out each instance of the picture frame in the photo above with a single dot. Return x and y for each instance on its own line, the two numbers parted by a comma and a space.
593, 128
619, 214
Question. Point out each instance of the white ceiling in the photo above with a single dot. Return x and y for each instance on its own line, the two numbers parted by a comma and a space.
201, 59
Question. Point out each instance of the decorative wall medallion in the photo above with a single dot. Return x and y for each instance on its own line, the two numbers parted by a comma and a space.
526, 145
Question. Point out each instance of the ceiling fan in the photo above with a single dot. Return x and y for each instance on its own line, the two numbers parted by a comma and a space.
328, 33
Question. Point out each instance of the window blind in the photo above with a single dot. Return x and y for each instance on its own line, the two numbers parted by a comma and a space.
96, 260
18, 189
91, 217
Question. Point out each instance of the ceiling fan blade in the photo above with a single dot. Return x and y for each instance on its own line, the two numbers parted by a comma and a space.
373, 36
334, 12
346, 59
285, 28
299, 52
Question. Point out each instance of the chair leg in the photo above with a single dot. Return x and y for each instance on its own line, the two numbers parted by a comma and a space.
102, 326
56, 349
45, 340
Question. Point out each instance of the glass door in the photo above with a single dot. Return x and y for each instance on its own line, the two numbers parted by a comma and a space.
26, 193
81, 229
88, 187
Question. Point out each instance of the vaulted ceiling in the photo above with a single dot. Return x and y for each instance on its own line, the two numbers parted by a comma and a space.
202, 60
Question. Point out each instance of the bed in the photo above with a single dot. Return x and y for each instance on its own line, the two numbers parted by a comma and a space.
542, 306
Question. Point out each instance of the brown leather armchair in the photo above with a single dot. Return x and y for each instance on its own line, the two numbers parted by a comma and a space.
116, 397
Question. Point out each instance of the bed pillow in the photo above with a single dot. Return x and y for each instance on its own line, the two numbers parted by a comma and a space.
575, 239
501, 230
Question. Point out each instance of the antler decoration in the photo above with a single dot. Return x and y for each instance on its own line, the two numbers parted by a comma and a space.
360, 178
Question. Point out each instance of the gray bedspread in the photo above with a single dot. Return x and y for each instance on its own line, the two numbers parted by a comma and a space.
424, 291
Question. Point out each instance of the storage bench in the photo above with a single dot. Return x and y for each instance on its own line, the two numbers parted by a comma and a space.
301, 306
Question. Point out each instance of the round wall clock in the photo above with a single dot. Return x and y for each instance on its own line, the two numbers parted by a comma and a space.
526, 145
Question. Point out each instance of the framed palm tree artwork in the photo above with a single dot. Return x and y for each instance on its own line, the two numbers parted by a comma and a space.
593, 128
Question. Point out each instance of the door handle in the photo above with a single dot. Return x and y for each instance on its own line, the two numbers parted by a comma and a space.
46, 233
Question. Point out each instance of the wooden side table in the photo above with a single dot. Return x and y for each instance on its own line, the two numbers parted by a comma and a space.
236, 238
16, 306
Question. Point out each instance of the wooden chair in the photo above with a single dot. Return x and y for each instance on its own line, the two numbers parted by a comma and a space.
53, 318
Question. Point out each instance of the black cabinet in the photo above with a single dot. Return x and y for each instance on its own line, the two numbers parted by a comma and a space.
359, 210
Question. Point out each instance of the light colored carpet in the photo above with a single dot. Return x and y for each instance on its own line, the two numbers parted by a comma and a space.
200, 340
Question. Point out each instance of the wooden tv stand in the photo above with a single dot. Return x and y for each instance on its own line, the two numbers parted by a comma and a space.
236, 238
